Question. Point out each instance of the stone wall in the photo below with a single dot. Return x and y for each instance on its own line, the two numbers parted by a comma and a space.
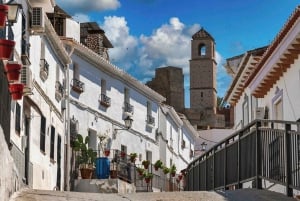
9, 177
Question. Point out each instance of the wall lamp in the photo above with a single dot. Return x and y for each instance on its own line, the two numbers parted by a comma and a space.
13, 11
128, 123
203, 146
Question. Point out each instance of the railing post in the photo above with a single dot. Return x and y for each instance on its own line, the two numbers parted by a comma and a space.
205, 184
239, 185
258, 156
288, 172
225, 166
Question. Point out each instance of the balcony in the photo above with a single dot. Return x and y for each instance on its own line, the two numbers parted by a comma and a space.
128, 109
59, 91
104, 100
263, 151
150, 120
44, 69
77, 85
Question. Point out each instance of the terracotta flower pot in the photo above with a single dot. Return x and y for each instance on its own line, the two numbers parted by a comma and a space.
86, 173
12, 71
6, 48
3, 15
180, 177
16, 91
106, 152
147, 180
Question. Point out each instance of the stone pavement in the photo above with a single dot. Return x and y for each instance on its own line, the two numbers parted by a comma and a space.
243, 195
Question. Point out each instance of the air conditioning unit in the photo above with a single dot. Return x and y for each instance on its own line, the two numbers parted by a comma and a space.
260, 113
26, 79
37, 19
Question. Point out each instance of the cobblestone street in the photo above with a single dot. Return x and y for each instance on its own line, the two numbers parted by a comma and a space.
243, 195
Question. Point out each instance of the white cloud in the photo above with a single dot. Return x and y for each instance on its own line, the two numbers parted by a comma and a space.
80, 17
73, 6
169, 45
125, 45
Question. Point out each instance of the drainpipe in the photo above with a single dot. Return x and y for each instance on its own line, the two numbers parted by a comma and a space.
67, 127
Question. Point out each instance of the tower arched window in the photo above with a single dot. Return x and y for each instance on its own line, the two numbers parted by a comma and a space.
202, 50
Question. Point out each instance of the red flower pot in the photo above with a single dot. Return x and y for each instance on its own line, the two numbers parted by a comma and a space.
12, 71
147, 180
106, 152
180, 177
16, 91
3, 15
6, 48
123, 154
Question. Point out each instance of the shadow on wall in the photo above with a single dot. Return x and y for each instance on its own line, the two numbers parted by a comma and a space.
10, 182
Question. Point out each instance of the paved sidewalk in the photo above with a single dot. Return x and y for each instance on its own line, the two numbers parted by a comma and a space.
238, 195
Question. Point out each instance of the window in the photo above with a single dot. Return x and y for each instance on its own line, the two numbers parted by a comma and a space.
150, 119
103, 86
149, 156
92, 139
52, 142
278, 107
126, 95
43, 134
202, 50
18, 119
201, 94
245, 111
76, 71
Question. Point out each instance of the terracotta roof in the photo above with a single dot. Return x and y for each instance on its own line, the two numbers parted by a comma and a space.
202, 33
245, 68
282, 64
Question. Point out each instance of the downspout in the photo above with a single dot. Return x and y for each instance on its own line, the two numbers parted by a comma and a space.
67, 127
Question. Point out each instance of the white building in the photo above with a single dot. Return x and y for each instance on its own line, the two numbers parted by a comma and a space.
38, 120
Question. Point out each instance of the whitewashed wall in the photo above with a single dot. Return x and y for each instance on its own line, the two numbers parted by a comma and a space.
72, 29
140, 138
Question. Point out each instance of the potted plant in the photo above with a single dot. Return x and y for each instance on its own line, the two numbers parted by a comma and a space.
158, 164
146, 163
103, 142
12, 71
123, 154
106, 152
180, 176
165, 169
3, 15
147, 176
140, 171
86, 158
133, 157
173, 170
6, 48
16, 91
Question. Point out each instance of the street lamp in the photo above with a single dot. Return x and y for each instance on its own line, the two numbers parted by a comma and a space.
203, 146
13, 11
128, 123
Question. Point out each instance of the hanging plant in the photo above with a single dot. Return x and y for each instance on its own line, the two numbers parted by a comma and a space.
3, 15
16, 91
12, 71
6, 48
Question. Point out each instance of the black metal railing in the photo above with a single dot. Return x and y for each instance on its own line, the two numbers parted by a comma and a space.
44, 69
105, 100
128, 108
59, 89
150, 120
263, 150
77, 85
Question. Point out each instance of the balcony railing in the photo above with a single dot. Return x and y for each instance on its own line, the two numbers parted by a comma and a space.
150, 120
44, 69
263, 150
59, 90
104, 100
77, 85
121, 167
128, 108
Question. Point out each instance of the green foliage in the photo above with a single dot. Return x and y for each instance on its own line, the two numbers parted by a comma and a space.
133, 155
147, 175
158, 164
173, 169
145, 162
87, 156
165, 169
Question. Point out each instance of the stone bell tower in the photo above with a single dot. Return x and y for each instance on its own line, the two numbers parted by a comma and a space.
203, 93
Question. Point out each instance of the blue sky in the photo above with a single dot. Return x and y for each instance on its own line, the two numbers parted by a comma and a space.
147, 34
